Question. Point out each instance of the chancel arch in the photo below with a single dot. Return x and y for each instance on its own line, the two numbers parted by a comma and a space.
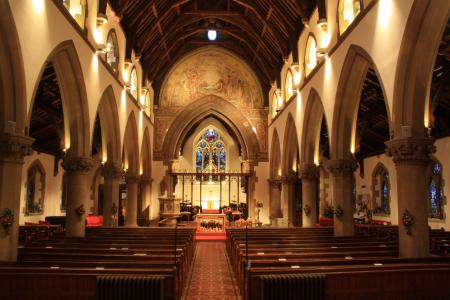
275, 178
290, 170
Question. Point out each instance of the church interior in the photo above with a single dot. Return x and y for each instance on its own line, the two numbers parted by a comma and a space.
227, 149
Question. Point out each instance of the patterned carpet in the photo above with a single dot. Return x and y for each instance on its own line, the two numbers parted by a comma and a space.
211, 276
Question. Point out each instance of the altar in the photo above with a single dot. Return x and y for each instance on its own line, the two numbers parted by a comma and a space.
211, 222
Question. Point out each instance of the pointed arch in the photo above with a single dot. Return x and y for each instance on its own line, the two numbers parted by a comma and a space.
348, 95
290, 147
381, 189
222, 110
109, 123
130, 146
146, 159
12, 74
312, 122
70, 78
35, 188
420, 43
275, 156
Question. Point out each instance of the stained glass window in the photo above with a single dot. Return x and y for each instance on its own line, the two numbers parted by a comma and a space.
381, 197
112, 51
210, 153
435, 192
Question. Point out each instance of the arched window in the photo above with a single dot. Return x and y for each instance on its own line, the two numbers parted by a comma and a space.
210, 153
112, 51
289, 86
381, 191
77, 8
347, 12
133, 84
435, 191
35, 189
275, 108
310, 55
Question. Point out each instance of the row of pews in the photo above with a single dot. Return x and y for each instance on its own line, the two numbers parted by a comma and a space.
311, 263
108, 263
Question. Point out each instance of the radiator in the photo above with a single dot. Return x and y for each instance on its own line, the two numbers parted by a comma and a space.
129, 287
292, 286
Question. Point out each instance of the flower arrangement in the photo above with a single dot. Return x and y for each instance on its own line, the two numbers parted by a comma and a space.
338, 212
80, 210
307, 210
328, 210
7, 219
408, 220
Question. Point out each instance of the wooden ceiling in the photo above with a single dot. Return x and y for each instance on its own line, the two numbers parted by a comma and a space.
261, 32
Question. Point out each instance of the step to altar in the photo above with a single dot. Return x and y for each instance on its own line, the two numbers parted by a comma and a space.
210, 211
210, 236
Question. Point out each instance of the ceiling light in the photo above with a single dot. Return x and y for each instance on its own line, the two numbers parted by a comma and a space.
212, 35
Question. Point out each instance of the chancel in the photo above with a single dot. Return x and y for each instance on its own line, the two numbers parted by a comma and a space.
224, 149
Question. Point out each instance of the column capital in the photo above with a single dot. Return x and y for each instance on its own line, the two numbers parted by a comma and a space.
341, 167
309, 171
132, 179
13, 148
289, 179
112, 169
275, 182
145, 180
81, 164
410, 151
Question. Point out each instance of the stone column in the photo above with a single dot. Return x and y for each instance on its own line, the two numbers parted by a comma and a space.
309, 175
13, 148
132, 195
342, 176
275, 209
248, 168
112, 172
146, 192
78, 193
289, 199
411, 157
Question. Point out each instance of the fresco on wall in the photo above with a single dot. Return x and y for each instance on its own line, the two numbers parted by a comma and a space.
211, 72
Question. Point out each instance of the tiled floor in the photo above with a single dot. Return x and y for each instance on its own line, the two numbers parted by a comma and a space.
211, 276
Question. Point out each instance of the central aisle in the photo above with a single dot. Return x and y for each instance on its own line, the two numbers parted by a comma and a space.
211, 276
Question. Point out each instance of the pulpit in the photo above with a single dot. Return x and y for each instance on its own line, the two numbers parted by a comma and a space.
169, 208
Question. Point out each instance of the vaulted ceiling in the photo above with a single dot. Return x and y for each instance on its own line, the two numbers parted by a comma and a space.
261, 32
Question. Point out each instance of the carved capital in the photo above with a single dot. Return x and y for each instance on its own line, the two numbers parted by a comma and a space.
309, 171
132, 179
410, 151
341, 167
112, 169
13, 148
145, 180
289, 179
81, 164
275, 183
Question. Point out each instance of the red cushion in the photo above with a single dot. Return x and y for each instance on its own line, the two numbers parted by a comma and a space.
43, 222
94, 221
326, 221
380, 222
31, 223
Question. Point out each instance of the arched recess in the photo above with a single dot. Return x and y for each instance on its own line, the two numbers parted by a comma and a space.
222, 110
292, 184
109, 124
348, 96
12, 76
381, 189
275, 157
130, 150
420, 43
73, 97
312, 123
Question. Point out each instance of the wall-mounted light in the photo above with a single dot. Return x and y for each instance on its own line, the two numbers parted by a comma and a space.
101, 19
296, 76
279, 94
101, 49
322, 24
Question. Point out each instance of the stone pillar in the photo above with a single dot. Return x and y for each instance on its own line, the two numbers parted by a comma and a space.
342, 176
112, 172
132, 197
289, 199
411, 157
146, 192
275, 210
13, 148
309, 175
248, 168
78, 193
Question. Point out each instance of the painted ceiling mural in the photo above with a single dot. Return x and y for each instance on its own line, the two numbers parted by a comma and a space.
211, 72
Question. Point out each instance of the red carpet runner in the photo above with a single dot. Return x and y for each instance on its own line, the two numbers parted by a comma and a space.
211, 276
210, 236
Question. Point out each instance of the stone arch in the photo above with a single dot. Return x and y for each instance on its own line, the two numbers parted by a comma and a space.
312, 122
73, 96
348, 95
222, 110
420, 43
290, 147
109, 122
275, 157
130, 146
12, 76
